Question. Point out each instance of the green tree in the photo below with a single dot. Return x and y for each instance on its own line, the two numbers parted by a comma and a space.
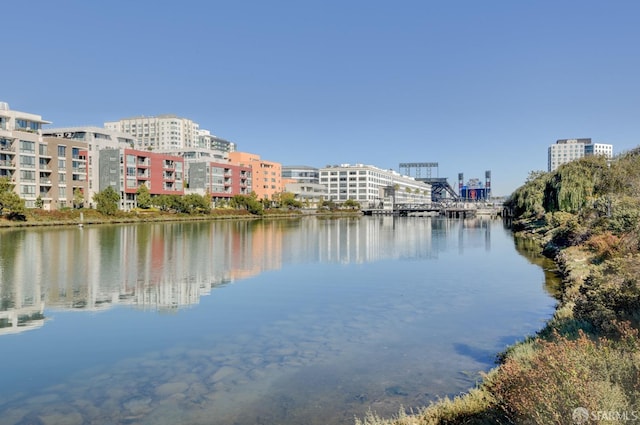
39, 202
574, 184
10, 202
288, 200
107, 201
143, 197
247, 202
192, 203
327, 204
352, 204
527, 200
161, 201
78, 198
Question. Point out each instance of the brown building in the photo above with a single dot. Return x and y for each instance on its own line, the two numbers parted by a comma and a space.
64, 173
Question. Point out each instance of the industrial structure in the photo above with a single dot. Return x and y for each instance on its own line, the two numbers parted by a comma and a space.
475, 190
440, 187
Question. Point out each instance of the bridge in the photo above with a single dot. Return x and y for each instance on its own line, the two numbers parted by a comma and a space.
441, 209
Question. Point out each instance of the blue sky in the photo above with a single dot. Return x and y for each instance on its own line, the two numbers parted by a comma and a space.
473, 85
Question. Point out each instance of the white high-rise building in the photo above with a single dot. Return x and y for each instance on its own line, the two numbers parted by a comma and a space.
567, 150
164, 132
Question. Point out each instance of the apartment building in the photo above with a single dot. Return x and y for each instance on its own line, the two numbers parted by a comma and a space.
215, 143
126, 169
92, 140
24, 155
567, 150
266, 176
369, 185
220, 180
301, 174
67, 183
162, 132
304, 182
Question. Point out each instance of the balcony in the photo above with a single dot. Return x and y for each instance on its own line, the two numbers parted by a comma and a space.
7, 163
6, 147
45, 182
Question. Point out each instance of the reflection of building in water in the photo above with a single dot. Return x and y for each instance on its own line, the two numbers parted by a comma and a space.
360, 240
471, 226
166, 266
155, 266
22, 307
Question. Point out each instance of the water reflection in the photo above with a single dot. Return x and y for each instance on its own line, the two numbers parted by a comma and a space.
167, 266
333, 317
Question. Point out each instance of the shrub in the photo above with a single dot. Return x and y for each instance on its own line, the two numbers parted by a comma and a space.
604, 246
562, 374
610, 295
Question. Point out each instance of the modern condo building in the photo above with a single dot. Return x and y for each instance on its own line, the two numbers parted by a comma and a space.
567, 150
24, 156
266, 176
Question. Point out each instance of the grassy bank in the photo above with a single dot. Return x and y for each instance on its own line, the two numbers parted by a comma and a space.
74, 217
586, 216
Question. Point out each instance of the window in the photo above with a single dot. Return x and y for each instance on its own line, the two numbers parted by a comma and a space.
26, 175
28, 161
27, 147
62, 150
22, 124
27, 190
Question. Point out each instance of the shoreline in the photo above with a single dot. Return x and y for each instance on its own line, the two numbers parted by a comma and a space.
73, 219
564, 343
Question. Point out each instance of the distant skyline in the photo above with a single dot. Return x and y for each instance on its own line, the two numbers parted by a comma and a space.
471, 85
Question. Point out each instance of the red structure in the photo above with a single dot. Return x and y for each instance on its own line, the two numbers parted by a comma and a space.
163, 174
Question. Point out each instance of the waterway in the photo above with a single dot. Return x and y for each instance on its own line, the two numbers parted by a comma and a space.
304, 321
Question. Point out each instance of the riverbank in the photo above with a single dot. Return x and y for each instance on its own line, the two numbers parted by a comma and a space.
75, 217
587, 355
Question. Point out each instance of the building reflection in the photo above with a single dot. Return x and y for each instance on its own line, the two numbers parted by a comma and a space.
168, 266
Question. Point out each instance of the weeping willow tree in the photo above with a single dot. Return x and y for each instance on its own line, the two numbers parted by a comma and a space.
527, 200
573, 185
623, 176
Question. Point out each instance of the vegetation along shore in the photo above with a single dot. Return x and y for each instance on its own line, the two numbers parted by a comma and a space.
160, 208
583, 367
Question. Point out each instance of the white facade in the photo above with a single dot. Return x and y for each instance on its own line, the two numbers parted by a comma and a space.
367, 184
22, 151
567, 150
164, 132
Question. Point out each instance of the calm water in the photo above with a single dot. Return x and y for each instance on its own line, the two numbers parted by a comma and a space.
304, 321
